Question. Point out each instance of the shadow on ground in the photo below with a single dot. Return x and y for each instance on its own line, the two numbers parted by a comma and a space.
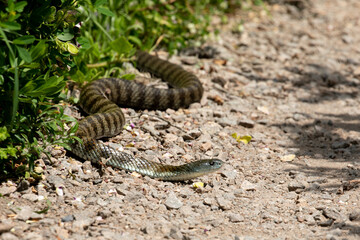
333, 139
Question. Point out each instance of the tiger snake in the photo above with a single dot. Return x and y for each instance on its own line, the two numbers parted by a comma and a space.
102, 99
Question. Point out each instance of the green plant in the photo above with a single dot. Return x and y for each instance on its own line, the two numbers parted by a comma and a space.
45, 43
32, 74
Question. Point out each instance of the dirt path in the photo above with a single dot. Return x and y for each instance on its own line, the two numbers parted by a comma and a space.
291, 81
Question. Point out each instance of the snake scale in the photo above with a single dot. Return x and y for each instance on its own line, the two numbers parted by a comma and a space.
102, 100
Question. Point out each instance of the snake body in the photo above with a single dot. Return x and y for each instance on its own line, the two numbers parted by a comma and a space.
102, 100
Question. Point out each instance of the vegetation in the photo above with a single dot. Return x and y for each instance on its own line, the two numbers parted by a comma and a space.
44, 44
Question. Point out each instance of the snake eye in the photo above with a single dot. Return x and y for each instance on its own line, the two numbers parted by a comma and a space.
212, 163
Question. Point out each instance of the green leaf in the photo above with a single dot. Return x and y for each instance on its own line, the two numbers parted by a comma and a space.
121, 46
3, 153
2, 80
65, 36
84, 43
3, 133
52, 15
99, 3
32, 65
135, 40
105, 11
11, 151
46, 209
71, 48
24, 54
28, 39
19, 6
39, 50
42, 87
10, 25
129, 76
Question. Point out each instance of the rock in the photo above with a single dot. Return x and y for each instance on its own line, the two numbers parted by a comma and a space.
149, 229
340, 144
56, 152
226, 122
206, 146
298, 116
27, 213
55, 181
187, 137
23, 185
295, 185
223, 203
248, 186
310, 220
195, 134
247, 123
179, 118
101, 202
172, 202
175, 234
68, 218
82, 223
30, 196
187, 210
326, 223
219, 80
233, 217
6, 191
216, 98
108, 234
189, 60
59, 191
8, 236
354, 216
230, 174
332, 214
122, 191
105, 213
97, 181
191, 135
248, 238
219, 114
263, 121
6, 227
209, 201
347, 39
133, 196
210, 128
171, 137
300, 218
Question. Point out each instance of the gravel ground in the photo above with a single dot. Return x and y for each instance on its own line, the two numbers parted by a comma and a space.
291, 81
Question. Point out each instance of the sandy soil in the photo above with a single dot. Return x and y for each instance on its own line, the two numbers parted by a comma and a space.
291, 81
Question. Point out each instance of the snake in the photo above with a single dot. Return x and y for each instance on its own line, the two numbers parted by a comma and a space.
102, 100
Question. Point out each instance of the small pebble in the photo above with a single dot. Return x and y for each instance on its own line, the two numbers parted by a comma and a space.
23, 185
340, 144
246, 123
68, 218
295, 185
172, 202
248, 186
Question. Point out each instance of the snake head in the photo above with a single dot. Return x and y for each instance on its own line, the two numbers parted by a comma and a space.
205, 166
192, 170
214, 163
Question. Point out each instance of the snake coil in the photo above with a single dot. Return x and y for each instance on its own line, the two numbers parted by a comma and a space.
101, 100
